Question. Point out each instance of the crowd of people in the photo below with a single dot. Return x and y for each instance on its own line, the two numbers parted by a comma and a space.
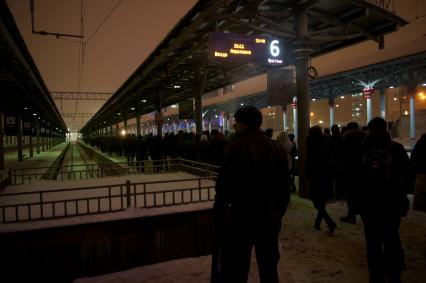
373, 172
362, 165
207, 148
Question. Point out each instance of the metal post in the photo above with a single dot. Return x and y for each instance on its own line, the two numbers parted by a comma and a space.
332, 104
30, 144
285, 118
128, 193
19, 136
125, 120
369, 108
138, 123
302, 65
198, 114
38, 137
294, 106
1, 141
382, 97
411, 93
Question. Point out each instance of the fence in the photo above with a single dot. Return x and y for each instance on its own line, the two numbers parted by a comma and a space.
61, 203
100, 170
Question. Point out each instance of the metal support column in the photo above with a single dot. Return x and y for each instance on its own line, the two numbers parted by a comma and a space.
369, 108
19, 136
1, 141
125, 121
37, 137
294, 107
30, 144
284, 118
382, 98
198, 115
138, 123
302, 52
332, 105
411, 92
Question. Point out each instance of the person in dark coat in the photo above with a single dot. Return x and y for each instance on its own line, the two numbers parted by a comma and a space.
319, 171
383, 201
418, 161
141, 152
335, 144
252, 195
216, 148
353, 151
293, 169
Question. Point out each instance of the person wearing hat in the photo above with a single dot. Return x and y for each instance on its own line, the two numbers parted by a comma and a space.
383, 201
252, 194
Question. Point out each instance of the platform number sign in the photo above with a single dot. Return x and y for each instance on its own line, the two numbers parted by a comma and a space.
27, 127
231, 47
274, 52
10, 128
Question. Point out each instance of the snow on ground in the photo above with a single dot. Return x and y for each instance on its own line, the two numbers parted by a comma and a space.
307, 255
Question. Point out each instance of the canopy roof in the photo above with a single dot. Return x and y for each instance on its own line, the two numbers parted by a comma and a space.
22, 89
181, 59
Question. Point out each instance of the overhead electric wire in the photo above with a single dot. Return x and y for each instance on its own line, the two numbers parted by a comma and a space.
103, 22
82, 46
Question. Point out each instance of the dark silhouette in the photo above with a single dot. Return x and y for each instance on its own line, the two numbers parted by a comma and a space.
293, 169
319, 171
335, 143
353, 152
217, 148
269, 132
383, 201
141, 152
252, 195
418, 161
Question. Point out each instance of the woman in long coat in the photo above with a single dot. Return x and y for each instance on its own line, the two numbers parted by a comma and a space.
319, 171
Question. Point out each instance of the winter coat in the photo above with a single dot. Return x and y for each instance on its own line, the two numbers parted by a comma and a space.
253, 179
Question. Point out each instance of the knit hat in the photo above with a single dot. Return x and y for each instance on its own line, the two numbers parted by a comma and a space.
249, 115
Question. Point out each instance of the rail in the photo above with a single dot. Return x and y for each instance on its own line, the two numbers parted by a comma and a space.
71, 202
100, 170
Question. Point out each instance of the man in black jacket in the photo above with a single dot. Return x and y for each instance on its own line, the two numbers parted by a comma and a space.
252, 193
383, 201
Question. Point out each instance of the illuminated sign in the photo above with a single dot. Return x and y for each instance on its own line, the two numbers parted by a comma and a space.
231, 47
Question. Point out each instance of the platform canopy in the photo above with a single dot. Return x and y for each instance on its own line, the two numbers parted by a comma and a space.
22, 89
180, 67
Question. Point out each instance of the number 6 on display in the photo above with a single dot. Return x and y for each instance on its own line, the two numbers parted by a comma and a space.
274, 49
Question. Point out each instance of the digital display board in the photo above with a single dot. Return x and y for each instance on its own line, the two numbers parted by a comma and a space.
231, 47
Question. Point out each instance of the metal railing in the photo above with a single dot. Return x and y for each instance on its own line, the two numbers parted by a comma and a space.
100, 170
71, 202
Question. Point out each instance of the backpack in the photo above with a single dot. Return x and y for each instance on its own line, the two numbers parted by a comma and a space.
376, 176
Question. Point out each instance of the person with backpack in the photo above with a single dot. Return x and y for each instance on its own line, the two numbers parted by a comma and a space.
383, 201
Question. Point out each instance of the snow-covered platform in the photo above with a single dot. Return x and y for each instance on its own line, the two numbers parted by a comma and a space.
60, 250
